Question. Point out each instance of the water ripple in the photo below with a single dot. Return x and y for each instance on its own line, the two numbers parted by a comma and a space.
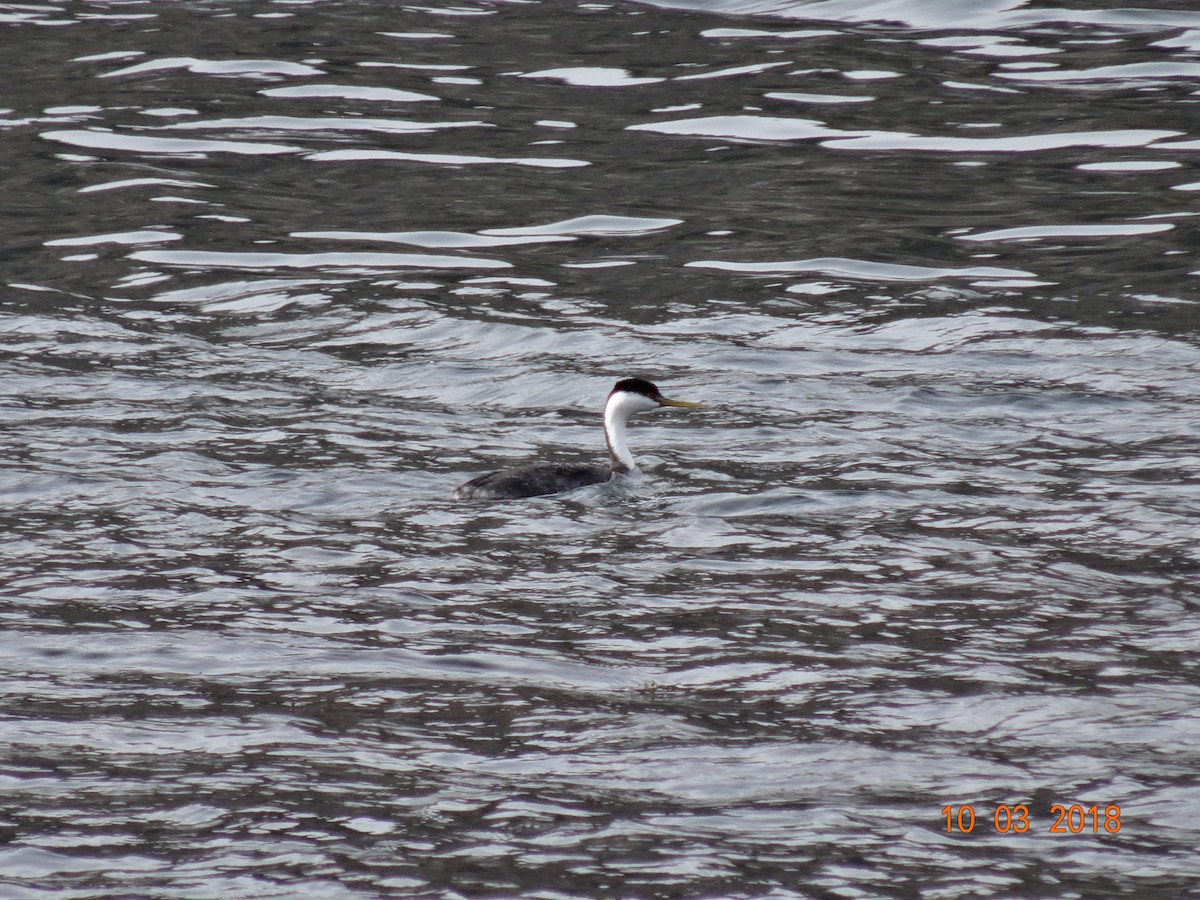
142, 143
314, 260
857, 268
259, 68
445, 159
348, 92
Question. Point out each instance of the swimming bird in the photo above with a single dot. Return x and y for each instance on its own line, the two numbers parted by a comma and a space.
628, 396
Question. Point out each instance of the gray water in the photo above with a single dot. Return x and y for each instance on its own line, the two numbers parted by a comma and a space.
277, 276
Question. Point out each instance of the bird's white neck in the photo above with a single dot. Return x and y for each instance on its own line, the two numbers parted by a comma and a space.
617, 410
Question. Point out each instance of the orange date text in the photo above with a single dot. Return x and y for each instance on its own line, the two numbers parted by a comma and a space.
1074, 819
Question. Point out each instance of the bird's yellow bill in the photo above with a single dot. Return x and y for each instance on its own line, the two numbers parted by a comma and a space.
686, 404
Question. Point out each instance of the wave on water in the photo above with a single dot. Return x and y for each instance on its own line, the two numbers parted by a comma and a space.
944, 14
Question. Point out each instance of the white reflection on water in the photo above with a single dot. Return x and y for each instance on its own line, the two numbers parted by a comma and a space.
591, 76
144, 143
865, 269
1027, 143
241, 67
754, 128
121, 237
445, 159
596, 224
302, 123
124, 183
348, 92
1111, 74
1039, 232
242, 260
433, 239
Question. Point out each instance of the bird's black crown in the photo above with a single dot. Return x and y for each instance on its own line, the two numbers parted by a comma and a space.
637, 386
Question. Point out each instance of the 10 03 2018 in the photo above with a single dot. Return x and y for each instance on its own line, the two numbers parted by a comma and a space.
1016, 819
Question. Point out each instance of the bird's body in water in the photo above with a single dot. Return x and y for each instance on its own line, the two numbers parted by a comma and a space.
628, 396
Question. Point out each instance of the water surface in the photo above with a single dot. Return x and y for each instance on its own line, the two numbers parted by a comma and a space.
277, 276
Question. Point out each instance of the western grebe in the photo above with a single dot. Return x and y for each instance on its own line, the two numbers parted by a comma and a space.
628, 396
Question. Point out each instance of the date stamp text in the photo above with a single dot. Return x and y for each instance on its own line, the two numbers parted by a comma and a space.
1074, 819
